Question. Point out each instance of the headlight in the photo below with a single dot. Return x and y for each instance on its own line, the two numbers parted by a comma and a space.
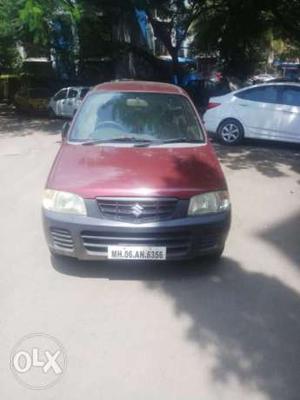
210, 202
63, 202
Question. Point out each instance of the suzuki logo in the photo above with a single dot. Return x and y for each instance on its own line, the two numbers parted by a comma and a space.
137, 210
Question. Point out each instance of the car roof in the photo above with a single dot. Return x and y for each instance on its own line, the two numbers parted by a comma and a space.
73, 87
267, 84
77, 87
139, 86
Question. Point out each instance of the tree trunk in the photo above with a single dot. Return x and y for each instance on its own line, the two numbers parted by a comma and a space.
175, 67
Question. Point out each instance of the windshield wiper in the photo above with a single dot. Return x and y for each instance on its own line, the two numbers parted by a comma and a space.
115, 140
166, 141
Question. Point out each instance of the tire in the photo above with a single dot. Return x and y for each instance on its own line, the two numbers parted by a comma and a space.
230, 132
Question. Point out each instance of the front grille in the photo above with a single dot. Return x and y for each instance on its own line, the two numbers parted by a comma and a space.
177, 243
62, 238
137, 210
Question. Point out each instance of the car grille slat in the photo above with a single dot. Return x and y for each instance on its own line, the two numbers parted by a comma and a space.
137, 210
62, 238
135, 239
178, 245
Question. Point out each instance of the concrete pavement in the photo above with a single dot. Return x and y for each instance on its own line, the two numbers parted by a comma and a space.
157, 331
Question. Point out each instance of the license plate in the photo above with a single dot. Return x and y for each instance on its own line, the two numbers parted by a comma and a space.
136, 253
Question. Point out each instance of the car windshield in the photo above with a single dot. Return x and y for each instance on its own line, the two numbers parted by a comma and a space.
129, 116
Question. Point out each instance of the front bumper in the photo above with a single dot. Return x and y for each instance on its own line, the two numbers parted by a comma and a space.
87, 238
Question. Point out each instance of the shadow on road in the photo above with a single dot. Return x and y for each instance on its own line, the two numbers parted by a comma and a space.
251, 320
135, 270
13, 124
267, 158
285, 236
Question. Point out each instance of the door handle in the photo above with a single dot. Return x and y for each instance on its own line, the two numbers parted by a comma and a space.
243, 105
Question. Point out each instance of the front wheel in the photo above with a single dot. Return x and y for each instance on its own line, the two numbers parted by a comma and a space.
230, 132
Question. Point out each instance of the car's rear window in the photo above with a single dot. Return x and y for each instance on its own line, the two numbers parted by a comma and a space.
153, 116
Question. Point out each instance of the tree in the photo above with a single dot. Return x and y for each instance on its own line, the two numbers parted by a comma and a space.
238, 31
36, 19
286, 17
30, 24
241, 32
114, 26
171, 21
235, 30
9, 58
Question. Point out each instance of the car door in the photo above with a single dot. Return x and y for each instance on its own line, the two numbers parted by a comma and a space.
59, 102
258, 109
290, 113
70, 104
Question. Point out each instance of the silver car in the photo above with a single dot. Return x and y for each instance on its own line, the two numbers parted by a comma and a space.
66, 101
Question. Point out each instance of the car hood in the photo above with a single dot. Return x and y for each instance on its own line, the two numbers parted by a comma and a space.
172, 171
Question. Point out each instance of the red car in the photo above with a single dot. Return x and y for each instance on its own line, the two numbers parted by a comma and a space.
136, 178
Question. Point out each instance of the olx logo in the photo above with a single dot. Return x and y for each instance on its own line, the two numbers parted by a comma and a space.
38, 361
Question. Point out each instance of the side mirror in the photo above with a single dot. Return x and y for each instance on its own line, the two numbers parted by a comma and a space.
65, 129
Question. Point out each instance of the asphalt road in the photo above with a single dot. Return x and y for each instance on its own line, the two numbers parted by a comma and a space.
157, 331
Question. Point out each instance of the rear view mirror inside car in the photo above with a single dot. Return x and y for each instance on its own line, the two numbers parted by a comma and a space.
137, 102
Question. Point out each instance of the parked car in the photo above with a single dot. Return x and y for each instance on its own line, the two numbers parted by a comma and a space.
65, 103
261, 78
32, 100
200, 91
285, 80
268, 111
136, 178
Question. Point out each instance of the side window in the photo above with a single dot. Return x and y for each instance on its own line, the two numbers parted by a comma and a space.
61, 95
72, 94
84, 92
290, 96
264, 94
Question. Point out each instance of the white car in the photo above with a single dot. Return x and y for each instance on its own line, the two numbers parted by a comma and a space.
263, 78
66, 102
267, 111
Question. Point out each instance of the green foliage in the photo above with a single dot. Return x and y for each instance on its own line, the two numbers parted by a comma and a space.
9, 58
35, 17
29, 23
240, 32
33, 21
167, 15
236, 31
